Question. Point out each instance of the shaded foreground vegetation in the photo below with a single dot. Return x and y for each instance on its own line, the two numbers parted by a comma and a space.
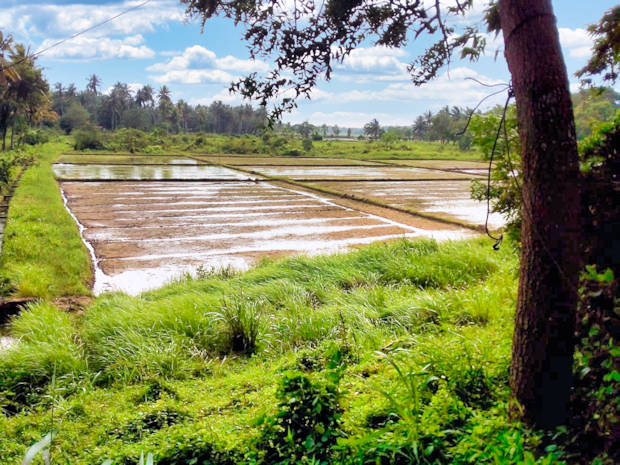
397, 353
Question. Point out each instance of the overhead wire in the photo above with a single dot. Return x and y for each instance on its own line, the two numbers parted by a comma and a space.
77, 34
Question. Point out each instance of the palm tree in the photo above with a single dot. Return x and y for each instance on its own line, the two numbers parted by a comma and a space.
25, 92
120, 99
144, 97
94, 82
373, 129
8, 73
164, 102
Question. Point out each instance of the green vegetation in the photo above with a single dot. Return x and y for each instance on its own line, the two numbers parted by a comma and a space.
389, 353
43, 254
269, 144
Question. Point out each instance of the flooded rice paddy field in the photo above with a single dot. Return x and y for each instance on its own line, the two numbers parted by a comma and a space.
357, 172
146, 223
441, 164
283, 161
142, 234
448, 199
122, 172
128, 160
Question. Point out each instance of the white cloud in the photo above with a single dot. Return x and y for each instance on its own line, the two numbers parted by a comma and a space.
33, 20
197, 57
576, 42
222, 96
375, 59
103, 48
451, 88
575, 87
574, 37
133, 88
352, 119
194, 76
199, 65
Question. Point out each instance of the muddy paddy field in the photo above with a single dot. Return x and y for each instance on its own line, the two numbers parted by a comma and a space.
149, 219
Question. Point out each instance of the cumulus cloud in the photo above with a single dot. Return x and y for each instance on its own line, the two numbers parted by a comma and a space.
451, 88
133, 88
197, 57
103, 48
199, 65
33, 21
576, 42
375, 60
194, 76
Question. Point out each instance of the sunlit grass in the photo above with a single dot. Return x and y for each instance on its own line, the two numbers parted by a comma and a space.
448, 306
42, 253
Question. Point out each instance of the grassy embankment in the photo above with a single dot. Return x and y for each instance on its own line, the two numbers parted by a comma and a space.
382, 355
42, 253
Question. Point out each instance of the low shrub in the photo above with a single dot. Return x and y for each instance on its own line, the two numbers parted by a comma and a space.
306, 425
36, 136
85, 139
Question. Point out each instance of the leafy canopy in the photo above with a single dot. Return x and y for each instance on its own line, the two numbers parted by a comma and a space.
307, 37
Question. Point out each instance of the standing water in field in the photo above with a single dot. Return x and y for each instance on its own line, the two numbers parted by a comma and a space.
143, 234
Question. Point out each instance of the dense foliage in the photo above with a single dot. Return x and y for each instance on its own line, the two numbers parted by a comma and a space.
390, 353
24, 99
146, 110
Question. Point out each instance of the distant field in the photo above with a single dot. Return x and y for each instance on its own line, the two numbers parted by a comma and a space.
442, 164
361, 172
282, 161
126, 159
400, 150
292, 146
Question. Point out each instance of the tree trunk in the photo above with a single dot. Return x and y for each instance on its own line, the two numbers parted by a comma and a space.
543, 342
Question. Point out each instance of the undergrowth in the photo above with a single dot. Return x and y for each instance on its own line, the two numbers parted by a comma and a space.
396, 353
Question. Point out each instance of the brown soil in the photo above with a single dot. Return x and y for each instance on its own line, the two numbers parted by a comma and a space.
147, 230
370, 173
73, 304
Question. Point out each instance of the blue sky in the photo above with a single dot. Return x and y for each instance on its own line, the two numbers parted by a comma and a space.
158, 45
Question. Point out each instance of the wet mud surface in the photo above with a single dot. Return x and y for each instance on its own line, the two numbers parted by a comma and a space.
361, 172
146, 172
441, 164
128, 159
143, 234
450, 199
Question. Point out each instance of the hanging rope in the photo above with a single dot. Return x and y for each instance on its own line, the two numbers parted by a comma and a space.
502, 123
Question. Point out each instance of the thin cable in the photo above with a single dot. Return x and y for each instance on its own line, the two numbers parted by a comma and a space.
77, 34
471, 114
502, 122
524, 208
503, 84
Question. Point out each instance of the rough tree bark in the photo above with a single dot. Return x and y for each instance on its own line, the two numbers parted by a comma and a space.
543, 342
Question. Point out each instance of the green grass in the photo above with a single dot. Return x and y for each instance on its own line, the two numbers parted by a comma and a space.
366, 150
405, 344
161, 372
43, 255
291, 145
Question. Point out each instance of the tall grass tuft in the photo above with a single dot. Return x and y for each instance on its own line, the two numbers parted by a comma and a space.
46, 345
242, 317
